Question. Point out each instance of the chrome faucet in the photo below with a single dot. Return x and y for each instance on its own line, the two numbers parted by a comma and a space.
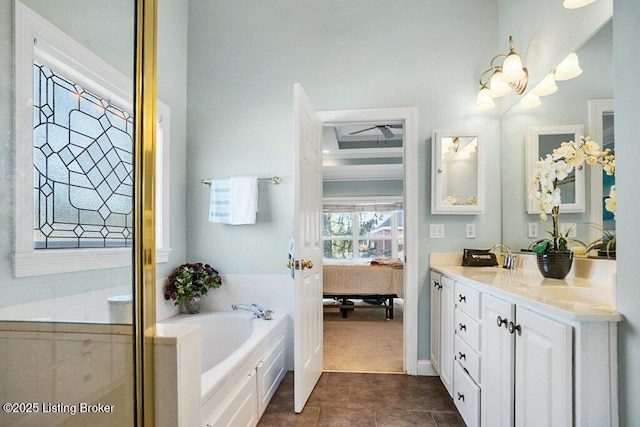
257, 311
509, 260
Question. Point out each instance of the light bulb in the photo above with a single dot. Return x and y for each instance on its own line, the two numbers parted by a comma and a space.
574, 4
484, 101
546, 87
568, 68
497, 87
512, 68
530, 100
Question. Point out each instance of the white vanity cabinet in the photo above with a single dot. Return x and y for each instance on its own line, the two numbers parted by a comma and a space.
441, 353
527, 360
509, 358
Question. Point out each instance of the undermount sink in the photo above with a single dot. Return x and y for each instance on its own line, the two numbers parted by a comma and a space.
573, 294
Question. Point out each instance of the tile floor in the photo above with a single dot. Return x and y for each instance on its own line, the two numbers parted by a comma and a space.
372, 400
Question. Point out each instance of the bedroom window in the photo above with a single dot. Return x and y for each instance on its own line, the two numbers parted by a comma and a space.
74, 156
362, 231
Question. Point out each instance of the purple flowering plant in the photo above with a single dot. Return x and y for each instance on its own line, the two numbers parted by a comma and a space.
189, 280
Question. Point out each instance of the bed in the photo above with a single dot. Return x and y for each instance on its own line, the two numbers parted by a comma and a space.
378, 281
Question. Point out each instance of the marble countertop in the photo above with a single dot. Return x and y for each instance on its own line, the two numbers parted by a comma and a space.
571, 298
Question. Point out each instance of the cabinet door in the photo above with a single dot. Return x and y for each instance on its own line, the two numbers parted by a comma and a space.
447, 331
543, 371
435, 321
497, 363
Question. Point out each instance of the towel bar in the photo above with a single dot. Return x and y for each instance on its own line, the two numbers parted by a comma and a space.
275, 180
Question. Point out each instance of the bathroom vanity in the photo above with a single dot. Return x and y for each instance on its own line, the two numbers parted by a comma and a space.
513, 348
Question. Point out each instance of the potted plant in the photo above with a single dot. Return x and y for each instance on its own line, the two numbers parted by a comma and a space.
189, 282
605, 245
553, 255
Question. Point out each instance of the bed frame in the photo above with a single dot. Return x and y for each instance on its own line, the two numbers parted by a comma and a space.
382, 301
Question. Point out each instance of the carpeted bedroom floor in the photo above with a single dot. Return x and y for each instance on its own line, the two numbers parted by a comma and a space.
364, 341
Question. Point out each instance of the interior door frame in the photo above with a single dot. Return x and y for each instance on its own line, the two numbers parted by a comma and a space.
408, 116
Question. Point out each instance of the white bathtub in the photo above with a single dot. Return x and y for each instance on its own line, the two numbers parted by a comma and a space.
241, 357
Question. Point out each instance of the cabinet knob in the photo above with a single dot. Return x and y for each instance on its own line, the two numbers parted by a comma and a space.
462, 298
501, 322
460, 396
462, 327
513, 328
462, 356
436, 284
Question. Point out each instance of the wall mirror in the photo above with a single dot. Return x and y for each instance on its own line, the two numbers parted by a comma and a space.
569, 105
542, 140
457, 186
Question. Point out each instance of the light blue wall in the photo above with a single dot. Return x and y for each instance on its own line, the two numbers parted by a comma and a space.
245, 56
626, 57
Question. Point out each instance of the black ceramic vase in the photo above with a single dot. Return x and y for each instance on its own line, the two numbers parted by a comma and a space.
555, 265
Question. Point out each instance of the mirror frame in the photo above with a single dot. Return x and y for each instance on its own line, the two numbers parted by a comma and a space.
533, 155
436, 179
597, 109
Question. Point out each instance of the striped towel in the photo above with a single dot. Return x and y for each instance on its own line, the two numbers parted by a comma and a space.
220, 201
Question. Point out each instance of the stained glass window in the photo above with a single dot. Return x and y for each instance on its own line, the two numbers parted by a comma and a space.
83, 166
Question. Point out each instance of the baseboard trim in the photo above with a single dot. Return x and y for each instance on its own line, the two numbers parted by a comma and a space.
425, 368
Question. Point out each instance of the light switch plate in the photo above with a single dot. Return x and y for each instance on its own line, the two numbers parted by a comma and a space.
436, 231
470, 230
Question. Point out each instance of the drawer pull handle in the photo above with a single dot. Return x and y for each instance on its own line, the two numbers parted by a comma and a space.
462, 327
462, 298
501, 322
513, 328
460, 396
462, 356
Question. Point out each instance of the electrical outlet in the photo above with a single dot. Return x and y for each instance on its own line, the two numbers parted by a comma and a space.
470, 230
568, 227
533, 229
436, 231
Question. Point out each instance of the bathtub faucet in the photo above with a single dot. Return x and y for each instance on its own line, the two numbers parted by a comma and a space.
257, 311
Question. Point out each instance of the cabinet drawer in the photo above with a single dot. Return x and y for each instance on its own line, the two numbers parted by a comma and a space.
466, 395
468, 359
467, 328
467, 299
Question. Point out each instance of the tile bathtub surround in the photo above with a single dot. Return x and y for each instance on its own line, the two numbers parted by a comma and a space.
353, 399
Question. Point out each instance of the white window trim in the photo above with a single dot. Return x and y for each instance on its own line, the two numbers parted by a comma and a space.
36, 38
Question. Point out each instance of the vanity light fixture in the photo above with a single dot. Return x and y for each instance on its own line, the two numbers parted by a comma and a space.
501, 78
530, 101
568, 68
574, 4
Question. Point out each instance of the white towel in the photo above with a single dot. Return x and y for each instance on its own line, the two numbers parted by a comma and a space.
220, 201
243, 200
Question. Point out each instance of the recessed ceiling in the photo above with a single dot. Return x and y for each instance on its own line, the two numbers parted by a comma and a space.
363, 151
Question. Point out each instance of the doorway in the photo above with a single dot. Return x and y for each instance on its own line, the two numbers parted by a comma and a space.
375, 170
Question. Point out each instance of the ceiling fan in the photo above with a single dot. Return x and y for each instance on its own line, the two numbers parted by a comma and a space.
385, 129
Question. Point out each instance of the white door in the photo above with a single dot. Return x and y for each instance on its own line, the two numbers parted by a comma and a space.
497, 367
543, 371
307, 234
